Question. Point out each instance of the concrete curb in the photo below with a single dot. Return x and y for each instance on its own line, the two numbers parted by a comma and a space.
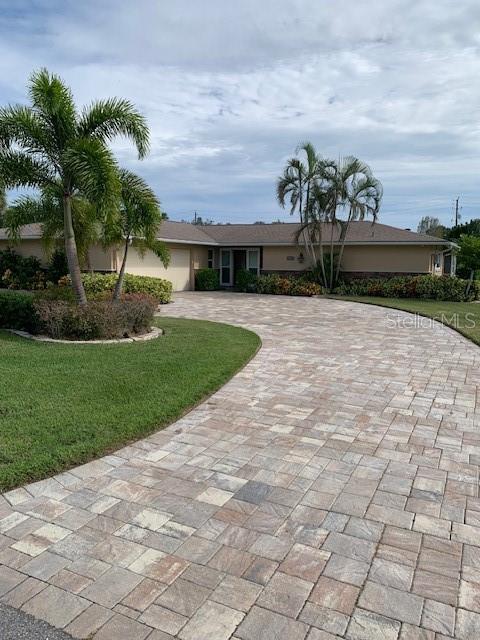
155, 332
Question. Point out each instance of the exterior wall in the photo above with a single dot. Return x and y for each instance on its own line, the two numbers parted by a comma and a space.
179, 271
362, 259
101, 259
26, 248
199, 257
283, 259
387, 259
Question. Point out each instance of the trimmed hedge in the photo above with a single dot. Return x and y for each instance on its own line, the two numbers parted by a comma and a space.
287, 286
98, 320
58, 318
277, 285
97, 284
17, 311
207, 280
446, 288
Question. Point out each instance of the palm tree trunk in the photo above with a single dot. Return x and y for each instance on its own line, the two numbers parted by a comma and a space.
121, 276
322, 257
342, 247
71, 251
330, 284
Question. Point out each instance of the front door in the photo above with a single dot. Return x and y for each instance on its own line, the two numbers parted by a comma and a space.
239, 262
226, 270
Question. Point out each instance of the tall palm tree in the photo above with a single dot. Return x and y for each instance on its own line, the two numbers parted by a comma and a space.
360, 195
321, 191
49, 144
297, 185
138, 222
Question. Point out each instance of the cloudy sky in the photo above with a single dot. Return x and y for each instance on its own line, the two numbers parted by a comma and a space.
231, 87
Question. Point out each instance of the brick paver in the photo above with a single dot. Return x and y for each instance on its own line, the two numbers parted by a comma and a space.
330, 489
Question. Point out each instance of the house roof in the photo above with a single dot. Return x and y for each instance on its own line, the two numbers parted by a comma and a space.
27, 232
184, 232
359, 232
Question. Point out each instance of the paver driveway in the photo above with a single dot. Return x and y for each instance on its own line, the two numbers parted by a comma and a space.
330, 489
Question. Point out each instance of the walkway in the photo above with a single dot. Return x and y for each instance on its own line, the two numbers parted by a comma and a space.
329, 490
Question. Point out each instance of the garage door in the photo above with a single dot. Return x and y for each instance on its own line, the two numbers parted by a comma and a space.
178, 271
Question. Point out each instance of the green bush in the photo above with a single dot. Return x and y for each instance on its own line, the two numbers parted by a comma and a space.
98, 320
444, 288
17, 311
246, 281
57, 266
98, 283
55, 292
19, 272
303, 287
287, 286
207, 280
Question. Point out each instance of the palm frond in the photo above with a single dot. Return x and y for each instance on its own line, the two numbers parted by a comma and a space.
19, 169
311, 155
92, 169
20, 125
54, 104
107, 119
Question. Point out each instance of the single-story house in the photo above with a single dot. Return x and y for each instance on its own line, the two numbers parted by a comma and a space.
370, 250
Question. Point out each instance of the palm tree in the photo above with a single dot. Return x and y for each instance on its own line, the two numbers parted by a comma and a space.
297, 184
348, 186
359, 195
50, 145
139, 220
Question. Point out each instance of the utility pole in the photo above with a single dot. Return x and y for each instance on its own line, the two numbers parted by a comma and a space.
456, 211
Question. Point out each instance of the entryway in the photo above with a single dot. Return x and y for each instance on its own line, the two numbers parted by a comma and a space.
234, 260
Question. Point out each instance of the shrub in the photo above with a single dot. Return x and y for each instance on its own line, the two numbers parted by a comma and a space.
246, 281
305, 288
445, 288
287, 286
98, 320
207, 280
17, 311
18, 272
55, 292
97, 283
57, 267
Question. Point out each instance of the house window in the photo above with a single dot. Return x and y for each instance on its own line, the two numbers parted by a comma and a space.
252, 261
210, 259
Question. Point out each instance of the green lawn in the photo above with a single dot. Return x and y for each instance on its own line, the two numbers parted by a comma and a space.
462, 316
62, 405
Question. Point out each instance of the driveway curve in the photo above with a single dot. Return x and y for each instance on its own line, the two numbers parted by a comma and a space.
330, 489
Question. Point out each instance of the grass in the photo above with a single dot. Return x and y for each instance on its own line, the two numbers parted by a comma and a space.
63, 405
464, 317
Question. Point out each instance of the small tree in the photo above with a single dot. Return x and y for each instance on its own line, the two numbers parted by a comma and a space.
50, 145
138, 222
429, 225
469, 256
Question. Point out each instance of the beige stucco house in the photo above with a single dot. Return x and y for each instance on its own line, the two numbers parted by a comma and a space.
370, 250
